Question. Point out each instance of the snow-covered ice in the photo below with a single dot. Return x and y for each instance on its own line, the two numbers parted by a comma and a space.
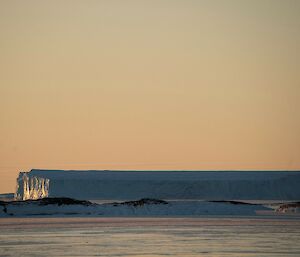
142, 207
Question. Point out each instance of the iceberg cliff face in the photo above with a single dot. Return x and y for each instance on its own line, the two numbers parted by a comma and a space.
130, 185
31, 187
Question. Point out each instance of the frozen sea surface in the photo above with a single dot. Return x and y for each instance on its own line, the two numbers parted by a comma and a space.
205, 236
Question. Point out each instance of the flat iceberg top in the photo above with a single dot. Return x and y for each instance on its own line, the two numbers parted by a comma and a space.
130, 185
162, 175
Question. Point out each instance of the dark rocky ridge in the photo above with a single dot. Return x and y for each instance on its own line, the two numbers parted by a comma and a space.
48, 201
141, 202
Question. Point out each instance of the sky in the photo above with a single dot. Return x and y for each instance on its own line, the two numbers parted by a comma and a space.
161, 85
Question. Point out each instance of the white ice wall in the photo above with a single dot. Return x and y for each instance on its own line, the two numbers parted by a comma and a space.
31, 187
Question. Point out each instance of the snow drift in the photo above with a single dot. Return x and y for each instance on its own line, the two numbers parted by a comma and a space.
142, 207
129, 185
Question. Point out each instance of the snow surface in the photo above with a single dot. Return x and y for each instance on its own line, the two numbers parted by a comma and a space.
144, 207
130, 185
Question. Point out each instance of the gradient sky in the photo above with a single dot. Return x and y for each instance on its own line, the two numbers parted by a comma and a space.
149, 85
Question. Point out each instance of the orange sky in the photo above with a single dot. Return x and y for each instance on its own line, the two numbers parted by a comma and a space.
149, 85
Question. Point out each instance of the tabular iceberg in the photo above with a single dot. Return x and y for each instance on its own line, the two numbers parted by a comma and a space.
130, 185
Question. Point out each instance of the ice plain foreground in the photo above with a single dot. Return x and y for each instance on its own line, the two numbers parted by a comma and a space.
206, 236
